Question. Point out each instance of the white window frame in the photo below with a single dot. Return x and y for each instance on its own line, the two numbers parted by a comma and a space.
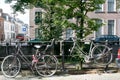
114, 6
100, 10
114, 27
102, 29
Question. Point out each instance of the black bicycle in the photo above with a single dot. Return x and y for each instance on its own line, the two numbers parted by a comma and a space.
44, 64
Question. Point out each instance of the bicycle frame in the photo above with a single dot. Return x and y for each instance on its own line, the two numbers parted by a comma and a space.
20, 54
75, 44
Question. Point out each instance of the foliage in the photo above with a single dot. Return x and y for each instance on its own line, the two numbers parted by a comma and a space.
59, 12
78, 9
51, 26
20, 5
118, 4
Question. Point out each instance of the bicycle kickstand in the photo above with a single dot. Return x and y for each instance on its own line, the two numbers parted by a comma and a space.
106, 68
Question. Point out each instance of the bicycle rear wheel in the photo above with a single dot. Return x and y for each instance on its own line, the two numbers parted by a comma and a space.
102, 55
10, 66
46, 65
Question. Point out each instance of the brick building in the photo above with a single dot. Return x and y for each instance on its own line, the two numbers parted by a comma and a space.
108, 14
1, 27
10, 27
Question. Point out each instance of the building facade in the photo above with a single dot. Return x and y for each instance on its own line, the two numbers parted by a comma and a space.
108, 14
10, 27
1, 27
33, 25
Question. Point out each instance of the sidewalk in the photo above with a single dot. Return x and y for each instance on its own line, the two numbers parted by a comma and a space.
105, 76
115, 76
85, 74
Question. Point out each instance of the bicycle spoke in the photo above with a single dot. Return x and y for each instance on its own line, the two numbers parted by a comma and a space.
102, 55
49, 66
10, 66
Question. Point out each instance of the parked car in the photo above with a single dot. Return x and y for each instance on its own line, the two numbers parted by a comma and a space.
21, 37
112, 39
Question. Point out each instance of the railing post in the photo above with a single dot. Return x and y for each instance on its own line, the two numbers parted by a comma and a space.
63, 57
7, 48
62, 54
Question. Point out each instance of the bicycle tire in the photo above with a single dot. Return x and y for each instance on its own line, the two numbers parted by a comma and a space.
117, 61
46, 65
10, 66
102, 55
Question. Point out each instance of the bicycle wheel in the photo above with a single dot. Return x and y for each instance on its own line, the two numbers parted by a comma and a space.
102, 55
10, 66
46, 65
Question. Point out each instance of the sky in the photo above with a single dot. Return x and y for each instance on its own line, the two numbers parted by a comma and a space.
7, 9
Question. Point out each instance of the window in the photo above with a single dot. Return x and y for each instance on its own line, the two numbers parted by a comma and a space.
69, 33
111, 27
7, 18
99, 31
12, 35
100, 8
111, 5
38, 17
12, 28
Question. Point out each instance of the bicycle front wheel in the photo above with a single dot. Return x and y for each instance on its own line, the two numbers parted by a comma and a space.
102, 55
46, 65
10, 66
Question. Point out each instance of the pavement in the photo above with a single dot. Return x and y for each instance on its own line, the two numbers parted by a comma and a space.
85, 74
105, 76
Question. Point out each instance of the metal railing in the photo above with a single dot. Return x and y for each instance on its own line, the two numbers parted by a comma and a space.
60, 49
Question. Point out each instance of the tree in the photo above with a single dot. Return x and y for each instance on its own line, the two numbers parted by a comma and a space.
51, 25
65, 10
78, 9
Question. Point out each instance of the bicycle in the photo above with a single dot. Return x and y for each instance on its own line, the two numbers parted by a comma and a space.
42, 63
98, 53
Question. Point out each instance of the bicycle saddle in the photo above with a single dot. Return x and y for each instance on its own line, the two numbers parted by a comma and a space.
37, 46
